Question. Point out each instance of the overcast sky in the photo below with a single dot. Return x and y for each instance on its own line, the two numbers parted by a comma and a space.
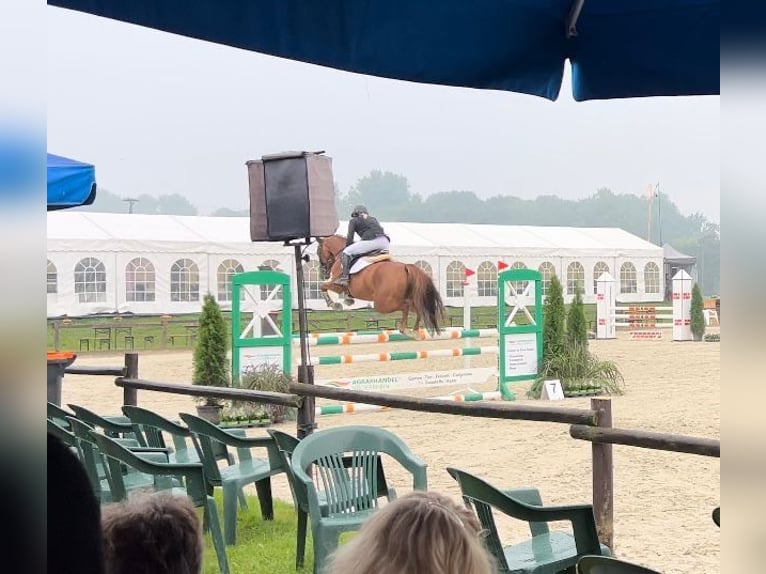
159, 114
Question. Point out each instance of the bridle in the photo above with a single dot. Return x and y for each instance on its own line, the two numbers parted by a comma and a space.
327, 265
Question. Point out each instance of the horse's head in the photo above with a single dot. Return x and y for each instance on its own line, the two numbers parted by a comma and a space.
328, 249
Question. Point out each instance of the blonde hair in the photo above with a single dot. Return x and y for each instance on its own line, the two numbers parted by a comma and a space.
420, 533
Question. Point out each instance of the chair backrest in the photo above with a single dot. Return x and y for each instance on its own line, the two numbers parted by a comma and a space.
286, 444
149, 427
208, 440
90, 455
64, 435
606, 565
351, 484
111, 427
59, 415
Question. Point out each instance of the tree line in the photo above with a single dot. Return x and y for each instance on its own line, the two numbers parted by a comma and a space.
389, 197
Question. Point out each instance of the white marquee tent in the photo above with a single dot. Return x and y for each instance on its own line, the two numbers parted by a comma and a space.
153, 264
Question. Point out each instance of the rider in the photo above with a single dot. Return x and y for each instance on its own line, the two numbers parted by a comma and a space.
372, 235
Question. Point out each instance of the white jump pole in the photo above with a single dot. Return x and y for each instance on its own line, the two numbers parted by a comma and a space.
467, 314
606, 326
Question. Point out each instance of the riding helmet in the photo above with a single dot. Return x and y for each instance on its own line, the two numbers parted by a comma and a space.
359, 210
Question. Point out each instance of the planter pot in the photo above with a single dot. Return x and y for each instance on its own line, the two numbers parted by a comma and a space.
211, 413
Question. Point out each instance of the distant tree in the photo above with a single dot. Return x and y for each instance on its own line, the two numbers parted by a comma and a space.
454, 207
385, 194
106, 202
175, 204
226, 212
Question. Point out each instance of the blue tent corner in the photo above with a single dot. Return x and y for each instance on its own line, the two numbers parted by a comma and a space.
71, 183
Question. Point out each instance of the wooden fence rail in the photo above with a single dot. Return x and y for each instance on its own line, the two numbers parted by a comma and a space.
205, 391
648, 439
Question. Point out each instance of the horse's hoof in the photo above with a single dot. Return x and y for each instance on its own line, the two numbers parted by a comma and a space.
337, 307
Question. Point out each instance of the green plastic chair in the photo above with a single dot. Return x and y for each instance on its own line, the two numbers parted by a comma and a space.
166, 475
548, 552
286, 444
63, 434
150, 426
350, 488
113, 426
95, 467
233, 478
59, 415
607, 565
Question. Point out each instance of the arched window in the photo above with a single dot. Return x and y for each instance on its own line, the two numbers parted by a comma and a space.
53, 281
547, 270
90, 281
426, 267
575, 278
312, 279
628, 282
455, 279
139, 280
184, 281
598, 270
270, 265
651, 278
226, 270
486, 279
519, 286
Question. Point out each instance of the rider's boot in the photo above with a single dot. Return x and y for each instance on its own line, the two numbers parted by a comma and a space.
345, 261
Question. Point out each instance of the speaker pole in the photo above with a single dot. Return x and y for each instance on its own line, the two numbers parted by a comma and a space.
306, 413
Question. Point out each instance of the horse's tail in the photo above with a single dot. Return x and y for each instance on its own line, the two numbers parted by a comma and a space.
425, 298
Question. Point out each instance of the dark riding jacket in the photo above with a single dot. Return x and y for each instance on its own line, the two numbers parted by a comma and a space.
367, 228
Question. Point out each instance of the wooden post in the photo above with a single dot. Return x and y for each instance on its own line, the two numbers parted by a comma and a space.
130, 396
164, 320
57, 335
603, 476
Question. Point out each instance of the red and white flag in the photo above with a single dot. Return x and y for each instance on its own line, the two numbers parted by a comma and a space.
501, 265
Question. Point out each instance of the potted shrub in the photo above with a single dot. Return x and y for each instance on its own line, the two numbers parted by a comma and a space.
269, 377
211, 365
697, 314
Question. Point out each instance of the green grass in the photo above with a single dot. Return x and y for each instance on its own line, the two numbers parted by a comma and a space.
71, 331
263, 546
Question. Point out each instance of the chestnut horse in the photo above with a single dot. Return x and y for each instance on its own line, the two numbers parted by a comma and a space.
390, 285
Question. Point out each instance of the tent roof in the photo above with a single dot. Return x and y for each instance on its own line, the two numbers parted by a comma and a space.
672, 255
109, 229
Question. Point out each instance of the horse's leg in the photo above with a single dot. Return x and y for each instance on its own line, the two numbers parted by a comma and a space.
405, 317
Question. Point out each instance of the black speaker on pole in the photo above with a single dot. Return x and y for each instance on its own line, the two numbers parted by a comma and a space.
292, 199
292, 196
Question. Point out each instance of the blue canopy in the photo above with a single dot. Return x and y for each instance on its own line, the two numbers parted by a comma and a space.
617, 48
70, 183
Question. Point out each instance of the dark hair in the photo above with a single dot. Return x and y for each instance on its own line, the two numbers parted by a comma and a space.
152, 533
74, 533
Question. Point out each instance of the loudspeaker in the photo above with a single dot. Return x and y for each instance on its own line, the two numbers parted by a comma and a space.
292, 196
